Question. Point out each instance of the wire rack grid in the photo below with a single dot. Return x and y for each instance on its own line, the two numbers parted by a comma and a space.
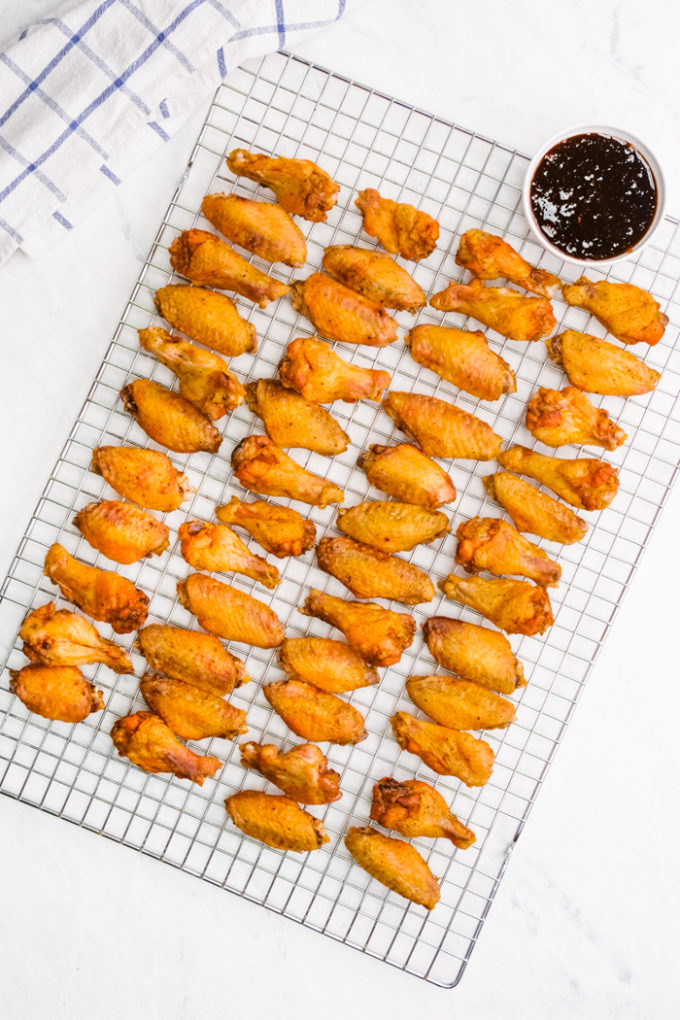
364, 139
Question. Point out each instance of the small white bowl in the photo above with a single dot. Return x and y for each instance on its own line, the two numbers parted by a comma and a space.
623, 136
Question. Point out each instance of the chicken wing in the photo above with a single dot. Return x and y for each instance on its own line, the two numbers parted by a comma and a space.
229, 613
302, 773
534, 511
378, 635
262, 467
301, 187
339, 313
460, 704
263, 228
151, 745
204, 378
314, 714
62, 638
557, 417
121, 531
144, 476
331, 666
198, 659
414, 808
55, 692
395, 864
392, 527
439, 428
491, 258
292, 421
169, 419
208, 317
313, 369
511, 314
599, 367
370, 573
488, 543
277, 821
406, 473
215, 547
517, 607
462, 358
401, 228
586, 483
278, 529
190, 712
475, 653
210, 262
445, 751
375, 275
102, 594
627, 311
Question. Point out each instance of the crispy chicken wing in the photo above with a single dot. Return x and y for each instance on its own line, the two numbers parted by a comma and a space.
439, 428
445, 751
414, 808
277, 821
378, 635
121, 531
401, 228
511, 314
556, 417
313, 369
475, 653
102, 594
393, 863
301, 187
586, 483
405, 472
372, 574
215, 547
599, 367
55, 692
198, 659
208, 317
534, 511
331, 666
169, 419
190, 712
460, 704
261, 227
292, 421
262, 467
278, 529
302, 773
375, 275
144, 476
151, 745
627, 311
392, 527
339, 313
491, 258
62, 638
315, 714
462, 358
210, 262
488, 543
230, 613
517, 607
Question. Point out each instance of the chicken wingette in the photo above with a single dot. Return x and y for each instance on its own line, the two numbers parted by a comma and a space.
534, 511
439, 428
375, 275
330, 665
489, 257
278, 529
599, 367
276, 821
463, 358
511, 314
102, 594
263, 228
315, 714
208, 261
627, 311
405, 472
517, 607
151, 745
210, 318
339, 313
447, 752
191, 712
215, 547
56, 692
313, 368
460, 704
379, 635
198, 659
370, 573
558, 417
393, 863
586, 483
121, 531
491, 544
302, 773
169, 419
392, 526
301, 187
62, 638
474, 653
229, 613
144, 476
401, 228
262, 467
414, 808
292, 421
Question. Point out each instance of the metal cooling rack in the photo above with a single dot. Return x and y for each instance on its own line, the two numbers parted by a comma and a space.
364, 139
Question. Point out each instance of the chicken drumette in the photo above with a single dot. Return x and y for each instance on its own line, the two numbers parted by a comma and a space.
462, 358
278, 529
511, 314
62, 638
315, 714
302, 773
215, 547
460, 704
488, 543
401, 228
169, 419
414, 808
534, 511
599, 367
198, 659
491, 258
627, 311
370, 573
121, 531
557, 417
55, 692
407, 474
394, 863
517, 607
392, 526
330, 665
230, 613
439, 428
586, 483
375, 275
277, 821
208, 317
474, 653
445, 751
262, 467
339, 313
314, 369
263, 228
102, 594
191, 712
144, 476
378, 635
301, 187
151, 745
292, 421
210, 262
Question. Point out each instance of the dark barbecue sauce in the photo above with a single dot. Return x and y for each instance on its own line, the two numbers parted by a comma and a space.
593, 196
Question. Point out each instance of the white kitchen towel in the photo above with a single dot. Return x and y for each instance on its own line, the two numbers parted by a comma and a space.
91, 91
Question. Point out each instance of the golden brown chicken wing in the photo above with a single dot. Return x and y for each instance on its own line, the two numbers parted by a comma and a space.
445, 751
475, 653
599, 367
198, 659
331, 666
215, 547
301, 187
393, 863
392, 527
169, 419
292, 421
261, 227
375, 275
517, 607
488, 543
314, 714
511, 314
262, 467
586, 483
230, 613
414, 808
277, 821
55, 692
556, 417
378, 635
372, 574
401, 228
491, 258
339, 313
145, 476
278, 529
121, 531
439, 428
627, 311
151, 745
190, 712
405, 472
313, 369
208, 317
534, 511
302, 773
102, 594
460, 704
462, 358
210, 262
62, 638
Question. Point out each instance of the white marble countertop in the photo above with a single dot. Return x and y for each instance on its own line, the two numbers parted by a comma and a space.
588, 915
